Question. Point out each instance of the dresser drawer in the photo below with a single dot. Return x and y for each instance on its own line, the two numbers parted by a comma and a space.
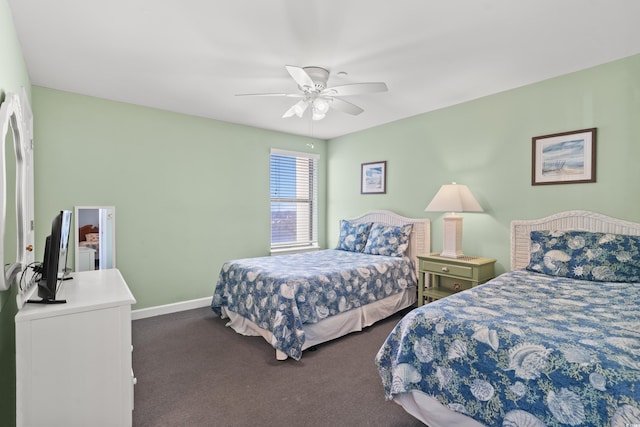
443, 268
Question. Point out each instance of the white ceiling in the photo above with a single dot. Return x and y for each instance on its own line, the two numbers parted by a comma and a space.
193, 56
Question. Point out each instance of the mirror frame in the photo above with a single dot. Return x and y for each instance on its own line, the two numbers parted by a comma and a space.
77, 237
16, 115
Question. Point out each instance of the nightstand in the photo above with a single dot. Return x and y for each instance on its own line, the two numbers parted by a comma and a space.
450, 275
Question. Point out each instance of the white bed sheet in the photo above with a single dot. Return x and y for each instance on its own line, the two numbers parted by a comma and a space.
431, 412
332, 327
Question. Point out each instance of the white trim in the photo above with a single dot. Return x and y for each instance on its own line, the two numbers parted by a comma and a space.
159, 310
293, 250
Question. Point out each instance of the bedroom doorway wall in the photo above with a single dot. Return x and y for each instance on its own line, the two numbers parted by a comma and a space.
95, 237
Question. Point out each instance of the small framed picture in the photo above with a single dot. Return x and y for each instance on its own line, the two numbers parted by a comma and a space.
564, 158
373, 178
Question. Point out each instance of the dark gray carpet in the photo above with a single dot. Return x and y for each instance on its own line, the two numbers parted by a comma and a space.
194, 371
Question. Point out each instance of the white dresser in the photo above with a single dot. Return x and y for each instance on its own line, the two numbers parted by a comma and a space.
73, 360
86, 259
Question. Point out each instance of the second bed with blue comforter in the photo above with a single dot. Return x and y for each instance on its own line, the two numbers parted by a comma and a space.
525, 349
282, 293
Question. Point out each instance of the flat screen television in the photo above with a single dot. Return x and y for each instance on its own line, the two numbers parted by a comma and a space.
54, 265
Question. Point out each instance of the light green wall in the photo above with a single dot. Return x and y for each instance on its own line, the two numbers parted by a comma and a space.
190, 193
486, 144
13, 77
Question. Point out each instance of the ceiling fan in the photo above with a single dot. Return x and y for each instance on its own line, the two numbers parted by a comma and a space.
314, 93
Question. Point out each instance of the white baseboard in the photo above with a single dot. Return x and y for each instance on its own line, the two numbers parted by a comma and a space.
170, 308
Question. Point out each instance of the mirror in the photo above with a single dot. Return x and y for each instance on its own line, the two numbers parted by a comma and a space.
16, 203
10, 219
95, 230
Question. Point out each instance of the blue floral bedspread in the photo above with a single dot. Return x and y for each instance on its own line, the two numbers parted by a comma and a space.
281, 293
525, 349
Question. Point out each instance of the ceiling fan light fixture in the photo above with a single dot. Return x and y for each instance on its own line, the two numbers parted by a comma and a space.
320, 108
321, 105
300, 108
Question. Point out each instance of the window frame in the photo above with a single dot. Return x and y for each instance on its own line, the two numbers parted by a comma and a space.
312, 201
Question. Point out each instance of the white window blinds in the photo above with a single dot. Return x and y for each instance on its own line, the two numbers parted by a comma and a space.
294, 199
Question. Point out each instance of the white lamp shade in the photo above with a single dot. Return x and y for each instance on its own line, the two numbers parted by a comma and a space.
454, 198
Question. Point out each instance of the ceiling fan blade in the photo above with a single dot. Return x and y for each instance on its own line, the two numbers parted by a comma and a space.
297, 109
345, 107
300, 76
289, 95
355, 89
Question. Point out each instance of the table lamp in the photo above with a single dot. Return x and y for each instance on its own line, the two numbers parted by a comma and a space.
453, 198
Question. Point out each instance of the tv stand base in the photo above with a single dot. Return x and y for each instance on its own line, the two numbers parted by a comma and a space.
47, 301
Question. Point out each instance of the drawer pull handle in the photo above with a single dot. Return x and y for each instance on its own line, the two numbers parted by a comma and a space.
445, 269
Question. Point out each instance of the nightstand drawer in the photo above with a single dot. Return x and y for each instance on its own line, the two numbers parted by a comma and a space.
443, 268
439, 277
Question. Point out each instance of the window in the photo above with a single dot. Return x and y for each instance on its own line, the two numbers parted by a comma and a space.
294, 200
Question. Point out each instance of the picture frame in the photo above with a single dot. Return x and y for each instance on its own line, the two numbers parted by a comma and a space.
373, 178
564, 158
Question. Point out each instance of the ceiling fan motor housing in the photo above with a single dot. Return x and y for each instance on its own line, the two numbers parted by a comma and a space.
319, 76
312, 82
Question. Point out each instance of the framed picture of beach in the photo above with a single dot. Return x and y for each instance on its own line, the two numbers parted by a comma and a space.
564, 158
373, 178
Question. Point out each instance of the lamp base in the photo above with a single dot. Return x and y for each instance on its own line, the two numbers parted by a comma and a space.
452, 237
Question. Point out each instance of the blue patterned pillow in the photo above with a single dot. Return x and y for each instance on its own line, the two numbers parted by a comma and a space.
388, 240
353, 236
601, 257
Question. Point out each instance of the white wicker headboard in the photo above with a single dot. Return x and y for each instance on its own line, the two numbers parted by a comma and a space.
420, 238
569, 220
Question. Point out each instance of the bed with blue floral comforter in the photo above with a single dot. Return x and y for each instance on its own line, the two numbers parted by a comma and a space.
282, 293
525, 349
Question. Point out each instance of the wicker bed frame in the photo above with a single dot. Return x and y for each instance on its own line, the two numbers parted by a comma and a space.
569, 220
